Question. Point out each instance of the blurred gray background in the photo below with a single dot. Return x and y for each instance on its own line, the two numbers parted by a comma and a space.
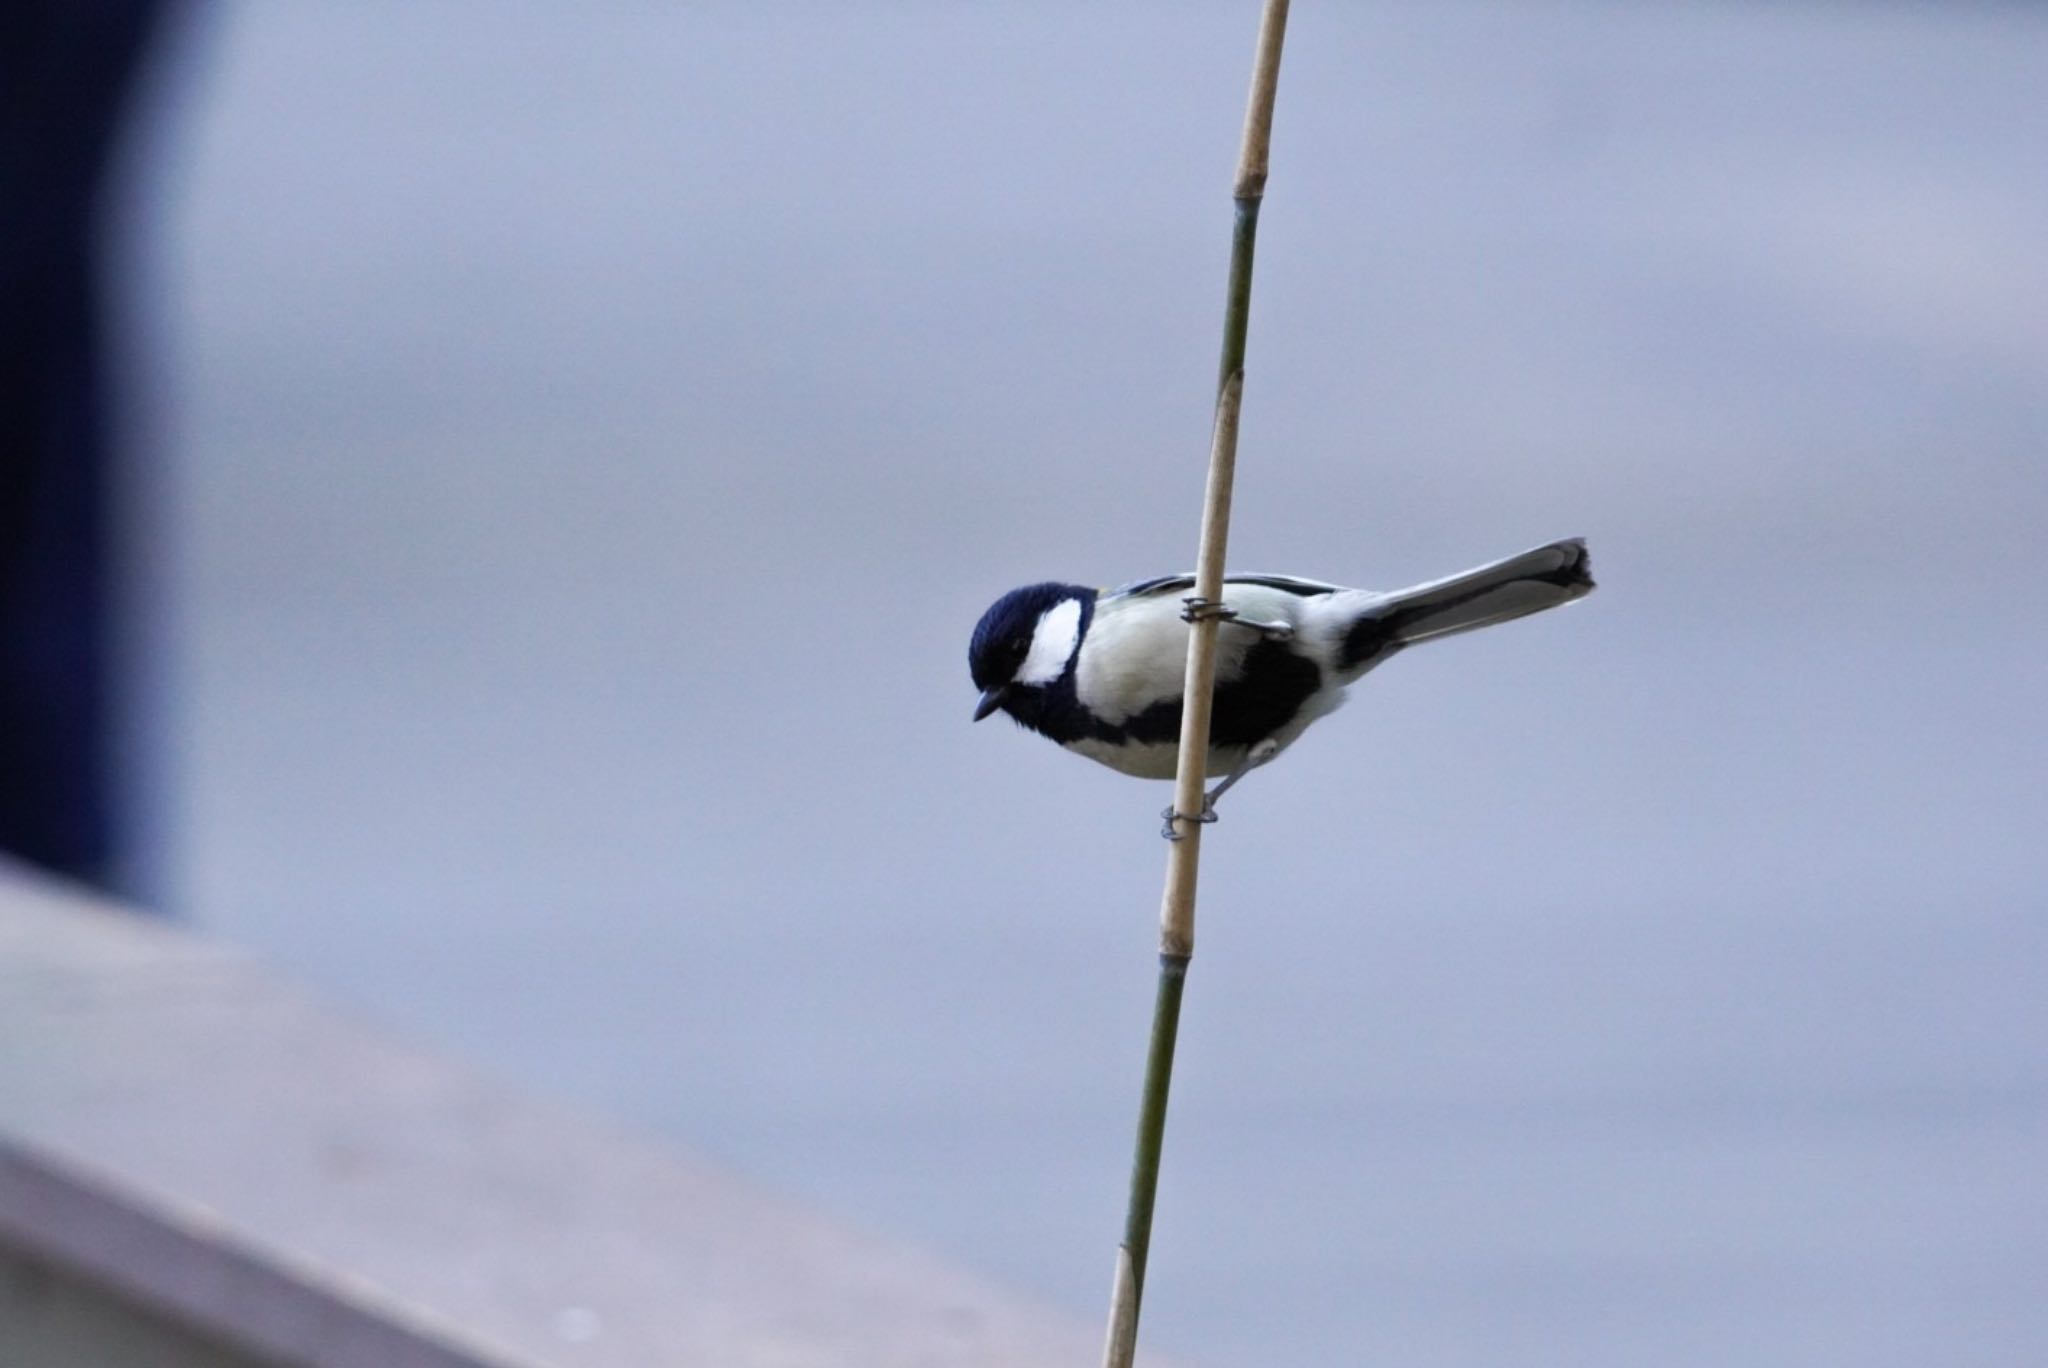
588, 433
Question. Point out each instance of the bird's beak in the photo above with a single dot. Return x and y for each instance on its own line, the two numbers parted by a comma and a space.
991, 699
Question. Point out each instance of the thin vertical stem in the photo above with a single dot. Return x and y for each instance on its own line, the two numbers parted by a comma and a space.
1177, 905
1127, 1292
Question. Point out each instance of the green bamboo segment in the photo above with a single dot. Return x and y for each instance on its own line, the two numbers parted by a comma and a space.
1173, 977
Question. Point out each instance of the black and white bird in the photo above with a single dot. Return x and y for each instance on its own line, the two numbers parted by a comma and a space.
1101, 672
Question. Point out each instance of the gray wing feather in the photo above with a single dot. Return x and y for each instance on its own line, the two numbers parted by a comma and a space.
1168, 584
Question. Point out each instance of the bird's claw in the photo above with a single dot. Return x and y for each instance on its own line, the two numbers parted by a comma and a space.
1199, 609
1255, 757
1207, 816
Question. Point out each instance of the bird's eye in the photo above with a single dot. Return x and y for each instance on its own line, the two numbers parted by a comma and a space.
1019, 645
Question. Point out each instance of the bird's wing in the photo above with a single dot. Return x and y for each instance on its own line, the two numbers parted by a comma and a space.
1169, 584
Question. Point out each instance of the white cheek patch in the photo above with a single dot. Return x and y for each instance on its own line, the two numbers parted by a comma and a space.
1052, 643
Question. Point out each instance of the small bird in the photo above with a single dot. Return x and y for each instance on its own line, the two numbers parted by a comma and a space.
1101, 672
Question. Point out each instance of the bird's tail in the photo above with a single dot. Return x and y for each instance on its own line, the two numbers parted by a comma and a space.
1520, 585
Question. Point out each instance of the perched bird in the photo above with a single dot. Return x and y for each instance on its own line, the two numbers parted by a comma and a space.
1101, 672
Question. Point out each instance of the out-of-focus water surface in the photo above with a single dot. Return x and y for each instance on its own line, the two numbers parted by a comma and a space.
596, 429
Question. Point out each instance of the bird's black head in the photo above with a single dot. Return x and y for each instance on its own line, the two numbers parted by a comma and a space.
1010, 653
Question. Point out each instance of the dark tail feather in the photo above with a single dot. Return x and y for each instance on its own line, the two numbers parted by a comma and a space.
1520, 585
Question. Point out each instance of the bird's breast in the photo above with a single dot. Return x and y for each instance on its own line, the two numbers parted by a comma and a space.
1133, 658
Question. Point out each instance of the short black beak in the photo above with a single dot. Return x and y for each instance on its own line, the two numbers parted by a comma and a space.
991, 699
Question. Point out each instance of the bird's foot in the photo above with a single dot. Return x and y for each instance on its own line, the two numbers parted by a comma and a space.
1199, 608
1207, 816
1255, 757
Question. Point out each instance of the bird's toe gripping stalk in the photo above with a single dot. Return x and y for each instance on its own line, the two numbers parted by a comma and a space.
1199, 608
1207, 816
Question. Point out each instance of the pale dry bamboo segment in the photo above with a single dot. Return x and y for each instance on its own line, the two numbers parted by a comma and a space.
1123, 1313
1183, 861
1258, 109
1183, 858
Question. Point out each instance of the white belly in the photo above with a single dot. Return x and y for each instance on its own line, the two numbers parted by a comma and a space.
1156, 760
1135, 656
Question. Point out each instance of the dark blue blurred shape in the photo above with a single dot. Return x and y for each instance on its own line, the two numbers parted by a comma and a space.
67, 68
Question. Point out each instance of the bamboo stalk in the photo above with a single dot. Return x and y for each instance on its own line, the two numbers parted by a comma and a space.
1183, 861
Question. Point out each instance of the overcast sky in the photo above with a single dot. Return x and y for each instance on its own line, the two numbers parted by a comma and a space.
592, 432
